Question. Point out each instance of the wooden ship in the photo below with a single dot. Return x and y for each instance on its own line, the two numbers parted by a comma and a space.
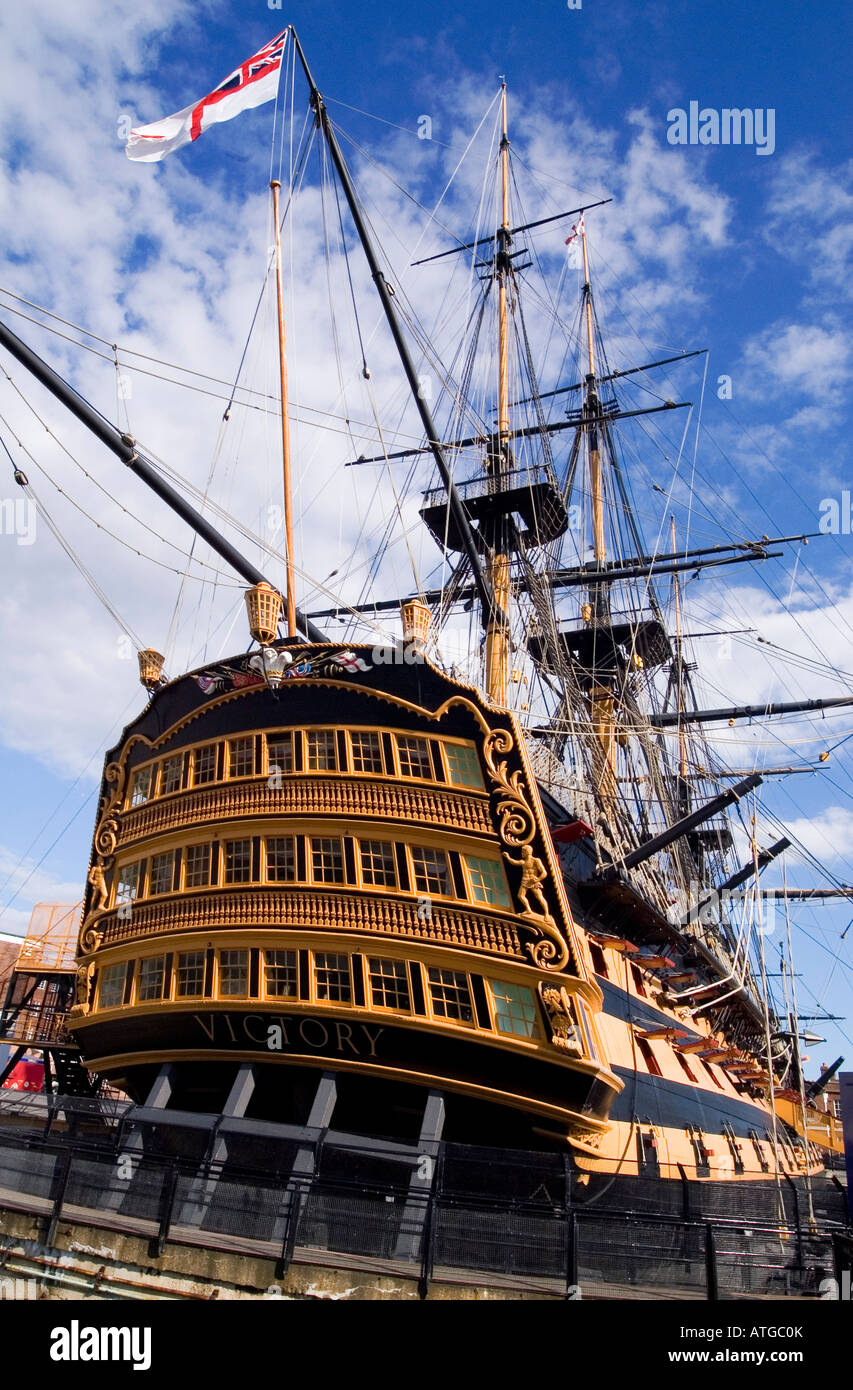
413, 901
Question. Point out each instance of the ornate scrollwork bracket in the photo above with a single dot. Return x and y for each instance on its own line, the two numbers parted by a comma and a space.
105, 841
516, 823
517, 827
114, 776
91, 936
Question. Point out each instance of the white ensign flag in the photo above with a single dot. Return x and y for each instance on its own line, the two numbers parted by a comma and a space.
574, 242
253, 83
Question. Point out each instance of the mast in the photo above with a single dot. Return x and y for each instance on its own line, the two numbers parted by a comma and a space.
498, 562
595, 482
290, 596
601, 694
683, 791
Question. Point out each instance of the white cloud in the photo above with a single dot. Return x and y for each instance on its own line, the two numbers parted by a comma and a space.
804, 361
828, 835
811, 220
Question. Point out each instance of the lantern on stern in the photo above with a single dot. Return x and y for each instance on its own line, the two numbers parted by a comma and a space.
263, 603
150, 668
415, 617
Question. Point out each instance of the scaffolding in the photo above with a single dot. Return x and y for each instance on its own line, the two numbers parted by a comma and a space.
51, 939
40, 994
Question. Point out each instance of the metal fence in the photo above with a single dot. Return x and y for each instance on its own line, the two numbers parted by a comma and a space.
484, 1217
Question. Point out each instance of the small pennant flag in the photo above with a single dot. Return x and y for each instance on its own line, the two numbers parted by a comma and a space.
253, 83
573, 242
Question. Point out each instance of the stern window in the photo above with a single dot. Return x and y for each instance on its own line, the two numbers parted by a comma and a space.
378, 866
463, 765
234, 972
451, 995
280, 753
515, 1009
389, 983
190, 974
162, 873
172, 774
197, 866
141, 786
414, 756
111, 992
333, 977
280, 974
128, 883
488, 884
431, 871
204, 764
366, 752
327, 860
238, 861
241, 757
322, 750
152, 975
281, 859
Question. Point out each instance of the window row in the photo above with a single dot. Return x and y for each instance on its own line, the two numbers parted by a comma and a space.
364, 752
316, 860
323, 977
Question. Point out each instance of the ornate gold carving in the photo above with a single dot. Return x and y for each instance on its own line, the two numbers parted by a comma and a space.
517, 827
552, 953
98, 884
107, 833
296, 908
82, 986
516, 823
114, 775
561, 1017
309, 796
532, 877
92, 935
109, 824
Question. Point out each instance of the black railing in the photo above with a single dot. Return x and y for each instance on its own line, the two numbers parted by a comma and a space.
488, 1217
486, 483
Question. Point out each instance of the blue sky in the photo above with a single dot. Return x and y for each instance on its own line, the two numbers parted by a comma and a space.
714, 247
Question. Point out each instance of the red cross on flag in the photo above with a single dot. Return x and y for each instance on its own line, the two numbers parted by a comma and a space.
253, 83
574, 241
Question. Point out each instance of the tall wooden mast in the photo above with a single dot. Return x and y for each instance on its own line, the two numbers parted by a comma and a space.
497, 630
595, 481
679, 657
285, 421
596, 611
